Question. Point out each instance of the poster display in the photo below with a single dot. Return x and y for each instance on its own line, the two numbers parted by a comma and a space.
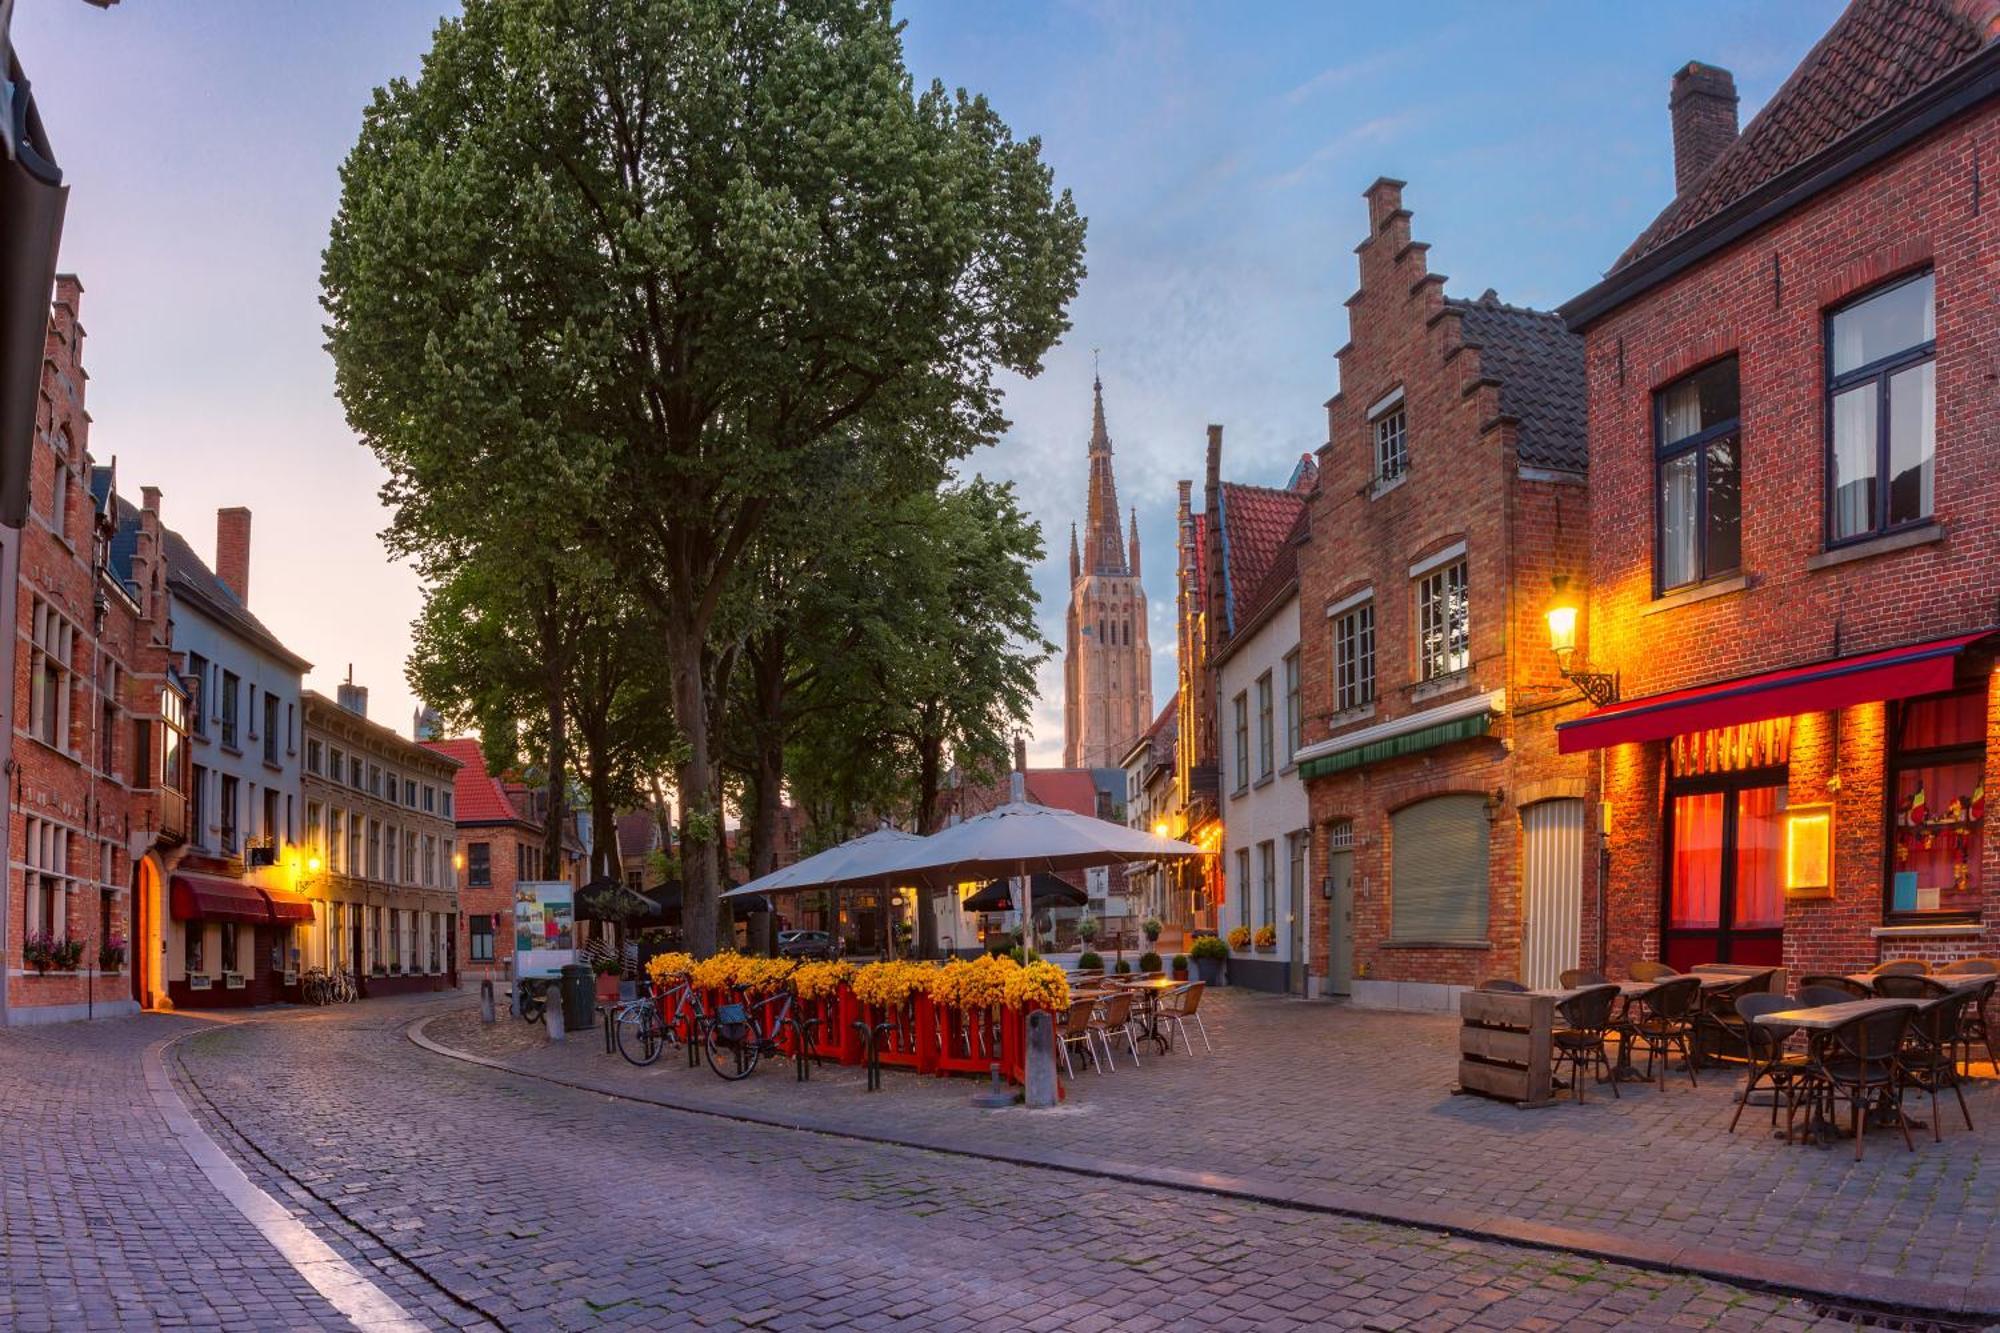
544, 927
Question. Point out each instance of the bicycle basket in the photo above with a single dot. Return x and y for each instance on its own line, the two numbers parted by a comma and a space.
732, 1022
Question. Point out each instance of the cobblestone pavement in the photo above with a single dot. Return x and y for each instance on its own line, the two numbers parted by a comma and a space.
105, 1222
532, 1205
1324, 1103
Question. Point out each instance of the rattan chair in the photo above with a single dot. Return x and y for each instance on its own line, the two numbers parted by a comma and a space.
1973, 1025
1909, 986
1903, 967
1856, 990
1965, 967
1859, 1063
1770, 1062
1583, 976
1719, 1027
1930, 1053
1813, 997
1579, 1042
1502, 984
1665, 1024
1648, 970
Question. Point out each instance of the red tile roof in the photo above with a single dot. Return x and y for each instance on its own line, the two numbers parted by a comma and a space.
477, 796
1876, 54
1064, 788
1255, 523
1280, 582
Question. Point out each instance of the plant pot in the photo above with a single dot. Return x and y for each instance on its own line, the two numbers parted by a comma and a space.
607, 989
1209, 970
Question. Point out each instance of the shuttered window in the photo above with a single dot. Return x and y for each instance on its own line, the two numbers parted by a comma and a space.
1437, 871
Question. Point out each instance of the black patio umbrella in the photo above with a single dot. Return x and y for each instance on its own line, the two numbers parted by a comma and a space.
1049, 891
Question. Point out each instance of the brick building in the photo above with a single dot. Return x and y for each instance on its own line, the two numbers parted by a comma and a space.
1807, 334
379, 850
1450, 502
1107, 663
500, 839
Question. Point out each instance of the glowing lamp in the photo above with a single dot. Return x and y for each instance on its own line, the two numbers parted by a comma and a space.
1562, 630
1160, 829
313, 864
1600, 687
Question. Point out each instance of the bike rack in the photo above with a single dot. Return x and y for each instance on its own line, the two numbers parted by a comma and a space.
871, 1046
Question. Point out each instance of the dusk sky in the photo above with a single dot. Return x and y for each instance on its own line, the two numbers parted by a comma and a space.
1219, 153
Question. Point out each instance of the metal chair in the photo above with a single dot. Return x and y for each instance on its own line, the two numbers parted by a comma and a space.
1114, 1015
1860, 1063
1966, 967
1856, 990
1973, 1025
1930, 1053
1648, 970
1503, 984
1909, 986
1769, 1061
1901, 967
1719, 1026
1583, 976
1179, 1007
1666, 1024
1579, 1043
1812, 997
1076, 1032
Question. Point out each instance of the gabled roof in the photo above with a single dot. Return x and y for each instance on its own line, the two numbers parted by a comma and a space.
1876, 55
1539, 364
638, 834
1255, 523
477, 796
189, 577
1279, 585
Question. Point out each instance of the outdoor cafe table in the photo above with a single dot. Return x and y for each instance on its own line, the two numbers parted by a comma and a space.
1955, 981
1822, 1019
1150, 991
1628, 991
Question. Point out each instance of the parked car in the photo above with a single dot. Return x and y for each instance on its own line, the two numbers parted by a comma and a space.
805, 944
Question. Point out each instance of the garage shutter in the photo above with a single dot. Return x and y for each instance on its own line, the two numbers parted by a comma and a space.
1437, 871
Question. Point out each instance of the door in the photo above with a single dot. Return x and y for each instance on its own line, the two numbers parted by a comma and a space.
1552, 890
1296, 843
1340, 921
1721, 901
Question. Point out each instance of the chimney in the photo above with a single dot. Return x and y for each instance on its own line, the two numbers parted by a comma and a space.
352, 697
1703, 104
1020, 754
146, 553
232, 551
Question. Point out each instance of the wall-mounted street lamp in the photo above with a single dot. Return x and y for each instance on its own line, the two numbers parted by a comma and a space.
1600, 687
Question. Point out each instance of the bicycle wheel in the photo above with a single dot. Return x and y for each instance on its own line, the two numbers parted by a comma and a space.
533, 1005
731, 1060
640, 1039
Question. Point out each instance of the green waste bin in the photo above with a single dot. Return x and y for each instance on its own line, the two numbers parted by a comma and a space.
579, 997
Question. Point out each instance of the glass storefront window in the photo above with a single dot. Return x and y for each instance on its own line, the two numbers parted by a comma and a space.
1938, 805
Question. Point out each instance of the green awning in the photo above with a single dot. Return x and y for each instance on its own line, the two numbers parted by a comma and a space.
1394, 747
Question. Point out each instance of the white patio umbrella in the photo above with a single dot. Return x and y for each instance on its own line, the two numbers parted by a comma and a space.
862, 860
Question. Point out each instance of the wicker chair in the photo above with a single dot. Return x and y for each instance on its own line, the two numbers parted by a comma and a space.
1582, 976
1975, 1026
1930, 1053
1648, 970
1719, 1026
1579, 1043
1856, 990
1770, 1063
1901, 967
1909, 986
1503, 984
1966, 967
1860, 1063
1812, 997
1665, 1023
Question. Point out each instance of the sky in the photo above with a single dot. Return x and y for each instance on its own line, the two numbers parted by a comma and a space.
1218, 151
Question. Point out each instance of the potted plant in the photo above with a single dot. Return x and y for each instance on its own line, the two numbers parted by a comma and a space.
1239, 939
1086, 929
69, 955
38, 950
111, 954
1124, 969
1209, 953
1087, 961
1180, 967
1267, 939
607, 970
1152, 927
1149, 961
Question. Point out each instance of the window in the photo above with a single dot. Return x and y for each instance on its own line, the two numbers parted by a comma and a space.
228, 812
1437, 871
375, 955
354, 771
272, 829
336, 842
313, 757
482, 937
198, 709
1242, 737
49, 676
1265, 744
1267, 869
1294, 707
429, 879
409, 856
1391, 431
46, 848
375, 780
390, 841
1295, 853
479, 864
172, 740
1242, 886
354, 863
374, 849
59, 499
315, 833
1354, 658
198, 804
446, 798
107, 910
430, 799
1937, 765
1881, 410
1700, 521
410, 793
270, 728
226, 708
229, 955
191, 952
395, 939
437, 938
1444, 622
142, 752
336, 764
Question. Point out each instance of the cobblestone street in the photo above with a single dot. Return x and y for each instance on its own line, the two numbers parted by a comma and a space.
475, 1197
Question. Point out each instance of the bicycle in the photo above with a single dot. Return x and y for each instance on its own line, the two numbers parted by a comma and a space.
313, 986
534, 998
342, 988
647, 1026
744, 1031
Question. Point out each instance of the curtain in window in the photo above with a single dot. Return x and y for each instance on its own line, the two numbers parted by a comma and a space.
1694, 892
1943, 720
1854, 435
1680, 410
1760, 902
1912, 441
1680, 510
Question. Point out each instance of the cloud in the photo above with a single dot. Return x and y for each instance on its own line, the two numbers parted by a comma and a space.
1377, 130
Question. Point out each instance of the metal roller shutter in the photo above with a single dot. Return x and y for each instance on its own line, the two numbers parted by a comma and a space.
1437, 871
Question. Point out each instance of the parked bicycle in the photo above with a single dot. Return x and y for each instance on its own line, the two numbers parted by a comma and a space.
744, 1031
319, 986
534, 998
646, 1026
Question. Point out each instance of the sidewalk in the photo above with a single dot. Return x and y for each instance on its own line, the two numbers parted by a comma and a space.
1329, 1108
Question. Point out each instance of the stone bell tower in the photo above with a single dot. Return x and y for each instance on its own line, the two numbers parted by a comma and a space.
1107, 664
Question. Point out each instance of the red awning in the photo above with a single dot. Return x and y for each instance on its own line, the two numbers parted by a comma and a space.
201, 898
288, 907
1893, 673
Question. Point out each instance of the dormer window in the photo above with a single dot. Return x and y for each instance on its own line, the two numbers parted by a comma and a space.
1388, 425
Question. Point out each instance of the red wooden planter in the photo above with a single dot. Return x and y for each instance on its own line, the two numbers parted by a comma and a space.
969, 1039
904, 1045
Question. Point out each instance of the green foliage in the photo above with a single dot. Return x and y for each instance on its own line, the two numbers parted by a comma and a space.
1179, 963
1151, 925
1149, 961
1088, 960
1032, 955
1123, 968
1208, 946
1086, 928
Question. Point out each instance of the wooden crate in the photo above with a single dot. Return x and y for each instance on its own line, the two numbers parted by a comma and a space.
1503, 1045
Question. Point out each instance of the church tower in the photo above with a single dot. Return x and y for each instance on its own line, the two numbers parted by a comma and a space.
1107, 665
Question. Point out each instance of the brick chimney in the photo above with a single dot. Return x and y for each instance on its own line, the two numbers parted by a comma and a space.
1020, 754
232, 550
146, 573
1703, 104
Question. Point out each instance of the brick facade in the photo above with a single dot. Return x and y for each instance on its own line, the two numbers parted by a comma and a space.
1469, 484
1764, 298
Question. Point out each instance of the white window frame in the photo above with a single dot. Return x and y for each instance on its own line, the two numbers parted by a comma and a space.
1354, 657
1444, 619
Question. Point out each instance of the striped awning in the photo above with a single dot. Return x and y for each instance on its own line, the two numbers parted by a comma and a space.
1395, 747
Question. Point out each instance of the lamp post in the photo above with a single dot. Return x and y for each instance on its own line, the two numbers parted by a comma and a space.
1600, 687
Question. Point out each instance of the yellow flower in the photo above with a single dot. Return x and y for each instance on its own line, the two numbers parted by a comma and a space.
662, 968
821, 981
1038, 983
890, 984
765, 976
722, 970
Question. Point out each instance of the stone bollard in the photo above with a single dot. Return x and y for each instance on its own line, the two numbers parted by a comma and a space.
486, 1007
1041, 1071
553, 1017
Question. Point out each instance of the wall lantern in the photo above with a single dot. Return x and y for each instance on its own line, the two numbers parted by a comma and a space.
1160, 829
1600, 687
1809, 851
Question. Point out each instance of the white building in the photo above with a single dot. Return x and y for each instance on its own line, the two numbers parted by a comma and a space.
1266, 824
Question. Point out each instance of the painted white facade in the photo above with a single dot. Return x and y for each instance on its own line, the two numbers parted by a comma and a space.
263, 761
1265, 818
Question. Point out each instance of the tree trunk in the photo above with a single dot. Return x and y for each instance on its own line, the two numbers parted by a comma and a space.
603, 818
930, 762
556, 804
694, 777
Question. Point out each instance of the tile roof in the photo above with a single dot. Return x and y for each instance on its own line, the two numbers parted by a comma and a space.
1064, 788
1255, 522
638, 835
1539, 364
189, 576
1280, 582
1877, 54
477, 796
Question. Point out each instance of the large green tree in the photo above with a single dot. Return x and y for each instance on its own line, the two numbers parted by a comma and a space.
674, 245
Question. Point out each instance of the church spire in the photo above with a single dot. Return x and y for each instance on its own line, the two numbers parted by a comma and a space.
1132, 545
1101, 536
1075, 560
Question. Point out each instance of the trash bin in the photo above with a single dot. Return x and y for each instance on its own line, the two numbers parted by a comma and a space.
579, 997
